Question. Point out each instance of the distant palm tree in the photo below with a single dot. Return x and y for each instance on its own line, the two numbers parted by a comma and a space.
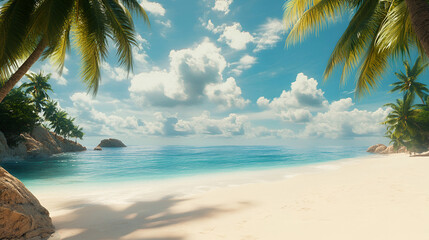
30, 28
58, 122
401, 125
77, 132
50, 110
377, 31
38, 87
408, 81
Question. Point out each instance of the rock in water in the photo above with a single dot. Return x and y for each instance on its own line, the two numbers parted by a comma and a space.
111, 142
98, 148
21, 215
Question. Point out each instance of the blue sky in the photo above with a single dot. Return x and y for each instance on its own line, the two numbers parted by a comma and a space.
217, 72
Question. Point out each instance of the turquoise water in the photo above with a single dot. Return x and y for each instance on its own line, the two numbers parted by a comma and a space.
164, 162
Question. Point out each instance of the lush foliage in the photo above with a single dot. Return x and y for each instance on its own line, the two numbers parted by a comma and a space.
37, 88
51, 24
408, 124
18, 115
20, 110
377, 31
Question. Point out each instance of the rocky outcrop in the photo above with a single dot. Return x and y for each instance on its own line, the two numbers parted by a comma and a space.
383, 149
111, 142
39, 143
98, 148
373, 148
21, 215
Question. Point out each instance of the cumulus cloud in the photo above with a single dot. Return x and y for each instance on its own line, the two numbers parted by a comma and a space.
269, 34
232, 35
244, 63
295, 105
59, 78
99, 123
226, 94
222, 6
191, 71
116, 73
153, 7
339, 122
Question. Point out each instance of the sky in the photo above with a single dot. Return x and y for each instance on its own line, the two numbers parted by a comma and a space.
214, 72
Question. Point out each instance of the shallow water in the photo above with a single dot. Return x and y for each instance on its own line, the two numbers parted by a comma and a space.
165, 162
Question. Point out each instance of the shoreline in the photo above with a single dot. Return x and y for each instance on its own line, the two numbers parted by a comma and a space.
376, 197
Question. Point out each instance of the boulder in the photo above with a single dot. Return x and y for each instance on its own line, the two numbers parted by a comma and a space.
111, 142
98, 148
21, 215
374, 147
380, 149
403, 149
389, 150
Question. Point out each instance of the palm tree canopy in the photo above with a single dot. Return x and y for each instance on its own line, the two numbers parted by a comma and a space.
408, 83
38, 87
377, 31
25, 24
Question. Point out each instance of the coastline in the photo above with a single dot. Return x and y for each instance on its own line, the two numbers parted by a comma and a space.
376, 197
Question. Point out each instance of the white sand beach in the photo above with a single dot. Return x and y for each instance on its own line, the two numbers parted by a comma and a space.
377, 197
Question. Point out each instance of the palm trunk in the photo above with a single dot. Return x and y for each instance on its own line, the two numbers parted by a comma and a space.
419, 13
14, 79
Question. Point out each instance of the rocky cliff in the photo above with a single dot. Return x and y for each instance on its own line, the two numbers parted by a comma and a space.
39, 143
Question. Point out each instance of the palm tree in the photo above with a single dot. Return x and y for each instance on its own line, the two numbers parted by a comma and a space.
38, 87
50, 110
58, 121
408, 81
402, 127
32, 28
377, 31
77, 132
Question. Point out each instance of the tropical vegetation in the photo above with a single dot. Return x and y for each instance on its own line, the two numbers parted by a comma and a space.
31, 29
28, 106
378, 31
408, 123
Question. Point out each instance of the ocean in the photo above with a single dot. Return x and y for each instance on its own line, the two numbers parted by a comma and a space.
145, 163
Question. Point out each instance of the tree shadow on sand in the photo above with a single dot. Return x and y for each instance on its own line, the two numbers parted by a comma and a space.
102, 222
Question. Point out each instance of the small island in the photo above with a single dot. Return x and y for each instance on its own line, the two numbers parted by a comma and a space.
110, 143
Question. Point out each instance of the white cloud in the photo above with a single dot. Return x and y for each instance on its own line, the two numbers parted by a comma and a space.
166, 23
295, 105
116, 73
226, 94
269, 34
234, 37
50, 68
222, 6
191, 71
338, 122
244, 63
139, 54
153, 7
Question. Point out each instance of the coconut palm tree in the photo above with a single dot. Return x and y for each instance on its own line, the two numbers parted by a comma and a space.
50, 110
38, 87
31, 29
77, 132
402, 127
378, 30
408, 83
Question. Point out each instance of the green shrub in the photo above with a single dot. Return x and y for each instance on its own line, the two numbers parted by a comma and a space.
17, 115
